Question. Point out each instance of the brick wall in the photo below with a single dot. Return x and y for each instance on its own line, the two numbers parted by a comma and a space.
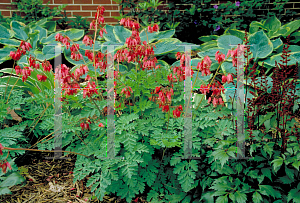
87, 8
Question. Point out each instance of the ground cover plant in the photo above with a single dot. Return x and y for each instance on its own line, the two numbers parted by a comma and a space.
149, 128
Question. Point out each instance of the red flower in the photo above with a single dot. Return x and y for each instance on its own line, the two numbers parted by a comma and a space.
101, 125
1, 148
42, 78
176, 113
224, 79
165, 108
82, 125
229, 78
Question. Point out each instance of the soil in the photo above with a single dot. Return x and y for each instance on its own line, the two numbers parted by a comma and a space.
51, 180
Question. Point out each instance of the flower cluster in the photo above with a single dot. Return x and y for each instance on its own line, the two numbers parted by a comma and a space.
4, 166
204, 66
164, 98
24, 46
90, 90
136, 49
85, 126
99, 19
88, 41
177, 111
4, 163
180, 71
127, 91
155, 28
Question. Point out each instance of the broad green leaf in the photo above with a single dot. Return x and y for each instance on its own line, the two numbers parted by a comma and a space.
5, 190
18, 29
5, 33
51, 52
12, 179
208, 38
149, 38
121, 33
74, 34
227, 67
254, 26
293, 26
10, 42
272, 24
110, 36
237, 33
277, 43
271, 60
165, 46
165, 34
225, 41
42, 33
261, 45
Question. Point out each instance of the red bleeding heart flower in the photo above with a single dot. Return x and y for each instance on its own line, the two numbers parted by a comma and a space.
176, 113
86, 126
42, 78
165, 108
1, 148
82, 125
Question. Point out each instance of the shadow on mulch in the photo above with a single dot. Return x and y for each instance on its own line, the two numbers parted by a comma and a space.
51, 180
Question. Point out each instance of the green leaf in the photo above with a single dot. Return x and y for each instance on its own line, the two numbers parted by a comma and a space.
266, 172
272, 24
110, 36
225, 41
4, 191
12, 179
240, 197
294, 194
277, 163
256, 197
262, 45
222, 199
18, 29
276, 43
165, 46
5, 33
10, 42
121, 33
292, 26
268, 190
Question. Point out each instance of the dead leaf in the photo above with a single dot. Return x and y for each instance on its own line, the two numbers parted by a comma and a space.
13, 114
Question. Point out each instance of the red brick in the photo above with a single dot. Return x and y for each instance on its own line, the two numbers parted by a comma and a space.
72, 8
83, 2
6, 13
106, 13
83, 14
63, 1
6, 1
90, 8
111, 7
102, 2
8, 7
46, 1
115, 13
